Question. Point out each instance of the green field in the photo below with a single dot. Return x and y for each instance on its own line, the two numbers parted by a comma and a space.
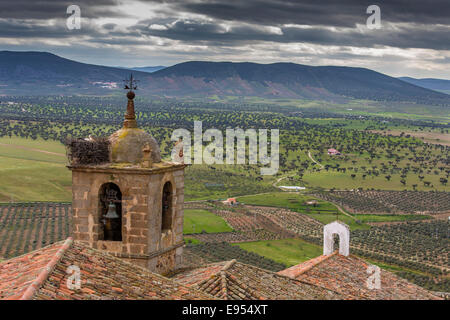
197, 221
323, 211
33, 170
290, 200
40, 144
286, 251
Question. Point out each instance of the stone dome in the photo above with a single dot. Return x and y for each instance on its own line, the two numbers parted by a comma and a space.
128, 144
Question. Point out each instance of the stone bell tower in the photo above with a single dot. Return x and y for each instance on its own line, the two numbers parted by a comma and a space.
131, 205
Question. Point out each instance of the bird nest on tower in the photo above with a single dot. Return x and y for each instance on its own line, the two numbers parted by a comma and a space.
89, 151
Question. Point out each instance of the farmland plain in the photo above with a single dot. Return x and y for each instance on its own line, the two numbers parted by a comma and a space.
377, 161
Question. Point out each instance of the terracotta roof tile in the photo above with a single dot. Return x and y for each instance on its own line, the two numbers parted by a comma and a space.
233, 280
42, 274
295, 271
18, 274
348, 276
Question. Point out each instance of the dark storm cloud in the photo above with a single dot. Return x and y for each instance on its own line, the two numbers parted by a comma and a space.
54, 9
14, 28
320, 31
109, 26
342, 13
424, 24
191, 30
407, 36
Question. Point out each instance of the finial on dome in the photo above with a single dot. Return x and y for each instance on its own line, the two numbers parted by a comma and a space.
130, 116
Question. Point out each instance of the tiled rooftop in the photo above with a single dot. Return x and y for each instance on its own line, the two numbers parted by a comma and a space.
42, 274
232, 280
18, 274
348, 276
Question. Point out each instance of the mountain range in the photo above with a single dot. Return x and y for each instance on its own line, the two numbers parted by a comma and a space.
441, 85
34, 73
149, 69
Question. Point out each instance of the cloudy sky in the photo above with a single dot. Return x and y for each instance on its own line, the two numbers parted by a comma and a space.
414, 38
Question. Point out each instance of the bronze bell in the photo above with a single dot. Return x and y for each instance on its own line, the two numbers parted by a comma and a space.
112, 214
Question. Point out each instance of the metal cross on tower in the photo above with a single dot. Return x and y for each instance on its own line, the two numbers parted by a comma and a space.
130, 117
130, 84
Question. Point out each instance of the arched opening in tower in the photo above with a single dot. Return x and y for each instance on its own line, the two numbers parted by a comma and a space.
336, 241
110, 198
167, 195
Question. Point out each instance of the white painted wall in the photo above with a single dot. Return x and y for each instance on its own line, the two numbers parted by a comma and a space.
343, 231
